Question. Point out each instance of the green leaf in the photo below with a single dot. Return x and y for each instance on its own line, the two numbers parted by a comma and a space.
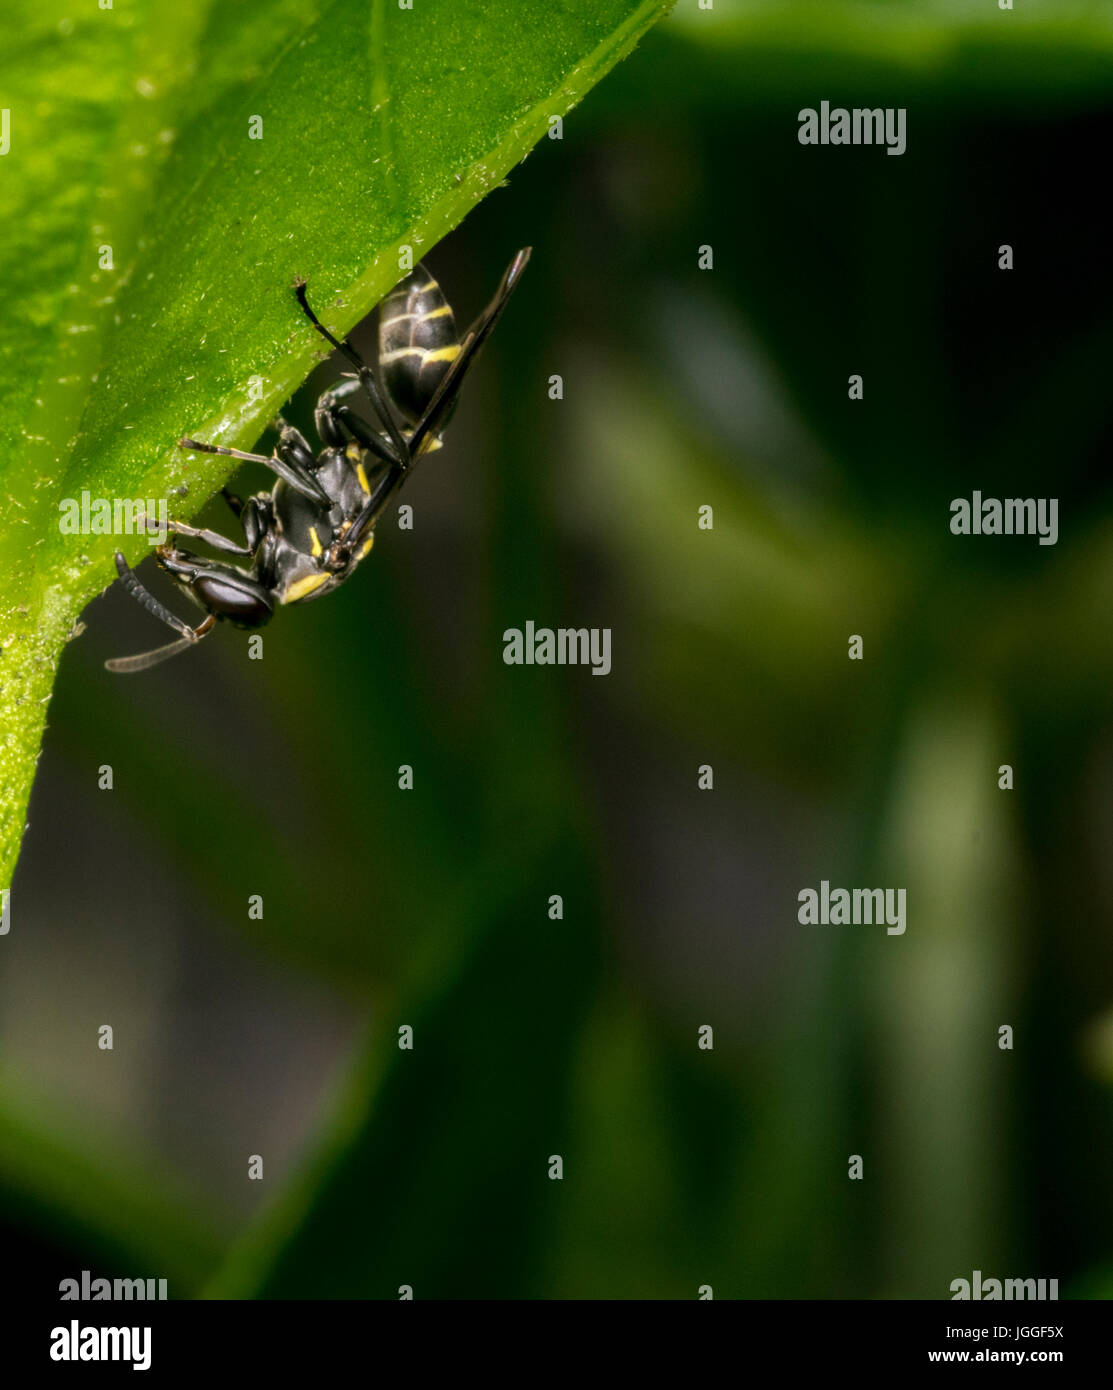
130, 129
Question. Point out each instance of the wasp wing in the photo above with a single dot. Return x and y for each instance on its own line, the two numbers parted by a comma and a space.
445, 394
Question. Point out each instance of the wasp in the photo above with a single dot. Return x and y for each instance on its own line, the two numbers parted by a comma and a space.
307, 535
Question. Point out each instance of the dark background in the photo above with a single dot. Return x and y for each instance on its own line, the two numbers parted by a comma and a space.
579, 1037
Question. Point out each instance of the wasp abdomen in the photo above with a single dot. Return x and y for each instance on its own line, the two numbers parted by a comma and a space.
417, 342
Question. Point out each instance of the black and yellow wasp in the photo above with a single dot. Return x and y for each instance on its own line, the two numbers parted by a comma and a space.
307, 535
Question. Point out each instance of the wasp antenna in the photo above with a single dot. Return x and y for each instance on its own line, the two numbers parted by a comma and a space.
203, 448
123, 665
299, 290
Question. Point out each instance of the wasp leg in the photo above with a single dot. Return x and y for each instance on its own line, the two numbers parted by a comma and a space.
294, 451
333, 418
325, 414
366, 380
253, 515
298, 479
363, 434
293, 447
213, 538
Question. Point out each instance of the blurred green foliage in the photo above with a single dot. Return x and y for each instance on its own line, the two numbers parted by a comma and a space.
578, 1037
